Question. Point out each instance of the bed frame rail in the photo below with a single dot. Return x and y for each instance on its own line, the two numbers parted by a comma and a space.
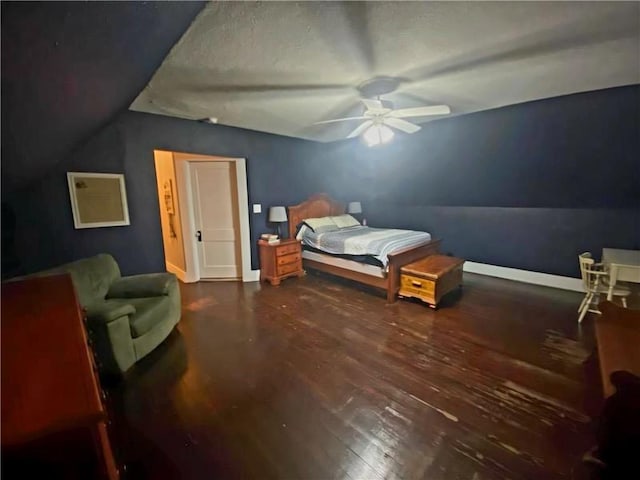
399, 259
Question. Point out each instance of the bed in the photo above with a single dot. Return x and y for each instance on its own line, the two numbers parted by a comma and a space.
388, 279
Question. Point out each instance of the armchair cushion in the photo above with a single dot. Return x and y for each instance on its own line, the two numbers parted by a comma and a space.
150, 312
141, 286
108, 311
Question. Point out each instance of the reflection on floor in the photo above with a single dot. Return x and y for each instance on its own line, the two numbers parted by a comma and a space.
318, 378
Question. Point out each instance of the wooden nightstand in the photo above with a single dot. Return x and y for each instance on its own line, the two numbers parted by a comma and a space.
280, 261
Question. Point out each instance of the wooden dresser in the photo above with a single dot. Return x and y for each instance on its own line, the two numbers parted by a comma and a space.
281, 260
54, 422
618, 337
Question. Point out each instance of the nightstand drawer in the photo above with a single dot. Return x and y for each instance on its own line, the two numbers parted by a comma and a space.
416, 285
291, 258
287, 249
288, 268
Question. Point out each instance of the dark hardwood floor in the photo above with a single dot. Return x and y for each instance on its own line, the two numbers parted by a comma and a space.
317, 378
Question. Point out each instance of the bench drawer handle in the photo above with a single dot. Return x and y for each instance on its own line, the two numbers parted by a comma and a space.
416, 284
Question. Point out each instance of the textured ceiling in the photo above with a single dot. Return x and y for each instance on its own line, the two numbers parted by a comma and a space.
280, 67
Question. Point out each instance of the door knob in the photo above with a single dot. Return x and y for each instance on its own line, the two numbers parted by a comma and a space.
199, 235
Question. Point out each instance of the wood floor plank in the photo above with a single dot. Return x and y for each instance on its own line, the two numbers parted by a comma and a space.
319, 378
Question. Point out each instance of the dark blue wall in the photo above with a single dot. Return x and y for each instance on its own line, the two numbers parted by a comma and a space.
69, 68
527, 186
280, 171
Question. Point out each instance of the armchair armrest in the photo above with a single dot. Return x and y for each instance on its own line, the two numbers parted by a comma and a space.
139, 286
106, 313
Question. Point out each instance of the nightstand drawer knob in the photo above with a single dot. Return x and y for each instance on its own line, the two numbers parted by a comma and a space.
416, 284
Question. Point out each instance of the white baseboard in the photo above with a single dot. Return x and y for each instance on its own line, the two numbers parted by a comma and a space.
181, 274
253, 277
525, 276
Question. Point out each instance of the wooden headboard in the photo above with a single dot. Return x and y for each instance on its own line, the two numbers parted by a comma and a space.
319, 205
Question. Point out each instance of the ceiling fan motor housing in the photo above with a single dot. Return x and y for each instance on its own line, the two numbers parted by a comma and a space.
378, 86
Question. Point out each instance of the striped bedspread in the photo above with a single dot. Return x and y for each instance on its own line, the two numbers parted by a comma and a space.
377, 242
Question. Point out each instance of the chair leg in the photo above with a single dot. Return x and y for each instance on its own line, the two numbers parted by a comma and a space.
624, 301
595, 301
582, 314
585, 307
584, 301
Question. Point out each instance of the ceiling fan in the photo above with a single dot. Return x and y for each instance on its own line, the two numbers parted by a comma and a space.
378, 117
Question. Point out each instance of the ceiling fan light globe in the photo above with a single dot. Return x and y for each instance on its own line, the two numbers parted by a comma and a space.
377, 134
372, 136
386, 134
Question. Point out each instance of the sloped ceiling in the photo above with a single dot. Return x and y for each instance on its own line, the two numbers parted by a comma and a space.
280, 67
68, 68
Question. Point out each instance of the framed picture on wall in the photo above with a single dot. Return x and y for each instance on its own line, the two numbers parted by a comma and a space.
168, 196
98, 199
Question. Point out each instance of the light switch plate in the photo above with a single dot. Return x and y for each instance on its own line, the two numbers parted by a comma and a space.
257, 208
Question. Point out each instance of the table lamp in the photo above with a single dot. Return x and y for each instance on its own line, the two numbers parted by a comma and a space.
356, 207
277, 215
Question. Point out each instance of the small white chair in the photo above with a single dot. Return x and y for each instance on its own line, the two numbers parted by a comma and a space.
595, 282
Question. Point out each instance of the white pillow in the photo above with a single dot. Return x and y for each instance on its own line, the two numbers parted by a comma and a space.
302, 232
321, 224
344, 221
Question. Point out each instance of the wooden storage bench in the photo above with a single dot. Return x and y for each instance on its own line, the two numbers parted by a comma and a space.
431, 278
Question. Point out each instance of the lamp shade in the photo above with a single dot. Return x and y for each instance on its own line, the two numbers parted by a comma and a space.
277, 214
354, 207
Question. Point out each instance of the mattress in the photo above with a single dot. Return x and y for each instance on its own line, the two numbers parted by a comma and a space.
359, 240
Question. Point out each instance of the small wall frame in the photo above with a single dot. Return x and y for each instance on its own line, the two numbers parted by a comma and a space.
98, 199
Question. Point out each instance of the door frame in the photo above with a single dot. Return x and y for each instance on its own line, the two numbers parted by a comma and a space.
183, 180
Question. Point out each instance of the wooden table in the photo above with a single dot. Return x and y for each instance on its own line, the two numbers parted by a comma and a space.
50, 389
623, 265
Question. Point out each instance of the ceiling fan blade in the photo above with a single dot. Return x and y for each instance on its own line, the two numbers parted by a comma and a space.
361, 129
400, 124
372, 104
420, 111
340, 120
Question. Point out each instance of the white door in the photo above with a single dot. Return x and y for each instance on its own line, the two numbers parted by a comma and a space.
215, 206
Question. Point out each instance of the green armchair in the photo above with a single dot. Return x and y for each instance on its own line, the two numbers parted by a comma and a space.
127, 317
